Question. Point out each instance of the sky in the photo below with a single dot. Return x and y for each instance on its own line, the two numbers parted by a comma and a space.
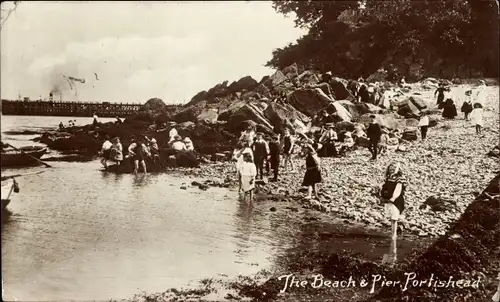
133, 51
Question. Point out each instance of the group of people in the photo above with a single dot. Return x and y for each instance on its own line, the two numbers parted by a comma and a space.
141, 149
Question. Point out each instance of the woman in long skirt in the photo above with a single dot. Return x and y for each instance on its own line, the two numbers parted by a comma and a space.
392, 194
313, 172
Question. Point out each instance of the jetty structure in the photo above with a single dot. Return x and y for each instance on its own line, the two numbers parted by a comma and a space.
59, 107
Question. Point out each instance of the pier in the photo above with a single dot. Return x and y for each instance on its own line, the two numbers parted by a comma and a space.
65, 108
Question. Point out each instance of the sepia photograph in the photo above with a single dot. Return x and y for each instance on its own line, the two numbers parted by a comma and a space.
342, 151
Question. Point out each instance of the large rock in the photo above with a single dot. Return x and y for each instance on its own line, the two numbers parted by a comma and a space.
210, 116
340, 111
154, 104
356, 110
246, 83
218, 90
291, 71
410, 134
260, 91
418, 101
281, 115
199, 97
247, 112
278, 82
190, 113
340, 90
309, 101
407, 109
389, 121
344, 126
225, 114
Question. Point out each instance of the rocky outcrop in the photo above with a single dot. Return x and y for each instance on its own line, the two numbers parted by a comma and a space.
309, 101
282, 115
209, 116
248, 112
246, 83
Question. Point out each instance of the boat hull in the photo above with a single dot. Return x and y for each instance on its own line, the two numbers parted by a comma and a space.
18, 159
5, 203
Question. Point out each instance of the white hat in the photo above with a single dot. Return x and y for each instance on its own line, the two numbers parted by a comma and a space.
153, 140
347, 134
328, 73
187, 140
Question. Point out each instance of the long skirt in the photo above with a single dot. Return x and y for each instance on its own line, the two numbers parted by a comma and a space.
312, 177
247, 183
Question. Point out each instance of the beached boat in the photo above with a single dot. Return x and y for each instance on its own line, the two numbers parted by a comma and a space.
15, 158
8, 187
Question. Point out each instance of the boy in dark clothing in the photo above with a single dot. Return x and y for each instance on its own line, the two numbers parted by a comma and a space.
373, 132
260, 153
274, 155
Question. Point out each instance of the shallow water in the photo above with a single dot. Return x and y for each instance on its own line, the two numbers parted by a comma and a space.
78, 233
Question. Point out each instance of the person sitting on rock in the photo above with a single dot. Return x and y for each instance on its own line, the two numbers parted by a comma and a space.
392, 195
116, 153
260, 153
328, 141
324, 85
153, 148
105, 151
139, 151
61, 126
313, 172
178, 144
189, 144
248, 173
172, 134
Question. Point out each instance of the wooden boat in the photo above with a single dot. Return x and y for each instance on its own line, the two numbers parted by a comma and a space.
7, 190
14, 158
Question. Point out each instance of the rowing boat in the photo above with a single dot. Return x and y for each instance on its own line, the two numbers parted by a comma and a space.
28, 156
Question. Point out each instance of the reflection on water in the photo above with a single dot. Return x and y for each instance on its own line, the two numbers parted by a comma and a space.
78, 233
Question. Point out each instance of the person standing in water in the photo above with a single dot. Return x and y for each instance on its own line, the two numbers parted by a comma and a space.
392, 195
105, 151
260, 153
288, 144
247, 172
139, 152
116, 153
313, 173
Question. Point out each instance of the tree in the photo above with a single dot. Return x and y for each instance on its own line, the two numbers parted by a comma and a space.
424, 37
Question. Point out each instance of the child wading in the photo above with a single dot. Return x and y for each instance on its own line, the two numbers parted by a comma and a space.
247, 172
139, 152
313, 173
476, 117
260, 152
392, 194
105, 151
116, 153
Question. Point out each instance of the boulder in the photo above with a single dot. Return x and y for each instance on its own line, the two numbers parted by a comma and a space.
260, 91
188, 126
389, 121
218, 90
280, 115
246, 83
308, 78
339, 89
418, 101
340, 111
210, 116
309, 101
407, 109
154, 104
190, 113
410, 134
411, 122
277, 80
199, 97
356, 110
247, 112
344, 126
229, 111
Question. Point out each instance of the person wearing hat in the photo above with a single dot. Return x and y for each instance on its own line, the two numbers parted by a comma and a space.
476, 117
274, 155
467, 105
374, 132
116, 153
313, 172
328, 141
440, 91
189, 144
260, 153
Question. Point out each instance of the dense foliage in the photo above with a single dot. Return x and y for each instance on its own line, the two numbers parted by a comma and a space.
442, 38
